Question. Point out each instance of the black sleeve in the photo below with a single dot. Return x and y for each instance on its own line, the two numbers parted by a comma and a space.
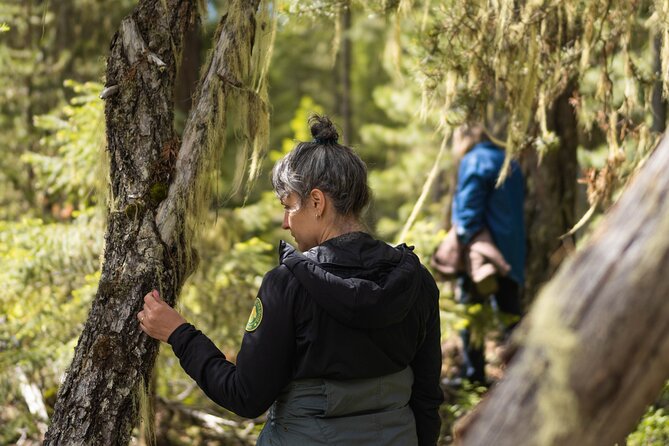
426, 394
265, 359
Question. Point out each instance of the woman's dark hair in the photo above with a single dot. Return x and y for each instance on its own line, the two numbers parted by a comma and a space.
326, 165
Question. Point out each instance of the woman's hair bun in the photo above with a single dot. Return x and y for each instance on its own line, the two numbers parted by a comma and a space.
322, 129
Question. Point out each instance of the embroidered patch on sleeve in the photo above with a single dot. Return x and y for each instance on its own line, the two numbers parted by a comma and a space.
256, 316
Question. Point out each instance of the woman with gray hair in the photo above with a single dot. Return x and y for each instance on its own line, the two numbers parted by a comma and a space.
343, 342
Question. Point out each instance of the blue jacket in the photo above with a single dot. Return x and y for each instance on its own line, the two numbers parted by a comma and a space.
478, 203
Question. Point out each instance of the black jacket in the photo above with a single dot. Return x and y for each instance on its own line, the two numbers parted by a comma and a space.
352, 307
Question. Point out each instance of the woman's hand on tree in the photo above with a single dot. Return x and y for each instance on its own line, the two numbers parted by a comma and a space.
157, 319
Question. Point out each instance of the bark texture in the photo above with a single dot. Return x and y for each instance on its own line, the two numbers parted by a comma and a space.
98, 402
551, 198
156, 183
594, 350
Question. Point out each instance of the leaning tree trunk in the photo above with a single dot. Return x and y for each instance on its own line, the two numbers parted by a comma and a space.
551, 198
98, 402
594, 350
155, 182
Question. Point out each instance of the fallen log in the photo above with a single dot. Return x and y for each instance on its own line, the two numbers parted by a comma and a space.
593, 351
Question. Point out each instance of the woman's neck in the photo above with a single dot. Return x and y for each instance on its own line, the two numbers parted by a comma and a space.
341, 227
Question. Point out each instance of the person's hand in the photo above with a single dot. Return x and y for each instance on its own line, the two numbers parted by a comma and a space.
157, 319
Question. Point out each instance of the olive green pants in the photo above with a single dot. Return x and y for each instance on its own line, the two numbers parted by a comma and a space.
372, 411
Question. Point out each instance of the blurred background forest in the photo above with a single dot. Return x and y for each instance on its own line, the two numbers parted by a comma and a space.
574, 89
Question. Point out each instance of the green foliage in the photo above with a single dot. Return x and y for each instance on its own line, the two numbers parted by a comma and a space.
401, 153
298, 126
68, 167
49, 273
459, 403
306, 63
49, 266
39, 49
54, 265
653, 430
418, 69
34, 257
322, 8
504, 64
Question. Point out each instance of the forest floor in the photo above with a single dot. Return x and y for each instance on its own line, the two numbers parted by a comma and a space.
460, 398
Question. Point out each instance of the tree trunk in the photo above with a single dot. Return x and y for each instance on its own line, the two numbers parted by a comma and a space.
594, 350
551, 198
29, 190
188, 73
150, 226
345, 108
98, 402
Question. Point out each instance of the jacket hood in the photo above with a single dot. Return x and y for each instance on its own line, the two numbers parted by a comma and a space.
360, 281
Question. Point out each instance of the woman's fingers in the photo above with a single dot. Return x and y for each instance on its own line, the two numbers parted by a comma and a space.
157, 319
150, 301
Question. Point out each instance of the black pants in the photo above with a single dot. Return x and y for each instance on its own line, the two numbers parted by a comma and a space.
505, 300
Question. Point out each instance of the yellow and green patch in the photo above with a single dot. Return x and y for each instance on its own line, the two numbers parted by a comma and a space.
256, 316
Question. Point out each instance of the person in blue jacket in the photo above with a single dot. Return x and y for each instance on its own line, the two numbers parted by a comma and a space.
479, 203
343, 341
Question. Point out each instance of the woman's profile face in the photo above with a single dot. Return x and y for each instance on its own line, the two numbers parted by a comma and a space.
301, 220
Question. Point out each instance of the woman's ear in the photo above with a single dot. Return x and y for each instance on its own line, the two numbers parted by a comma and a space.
318, 199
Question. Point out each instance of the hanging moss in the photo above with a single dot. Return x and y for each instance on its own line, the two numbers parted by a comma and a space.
146, 411
505, 62
232, 97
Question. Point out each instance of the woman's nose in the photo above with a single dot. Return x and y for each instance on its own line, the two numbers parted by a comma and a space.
285, 224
